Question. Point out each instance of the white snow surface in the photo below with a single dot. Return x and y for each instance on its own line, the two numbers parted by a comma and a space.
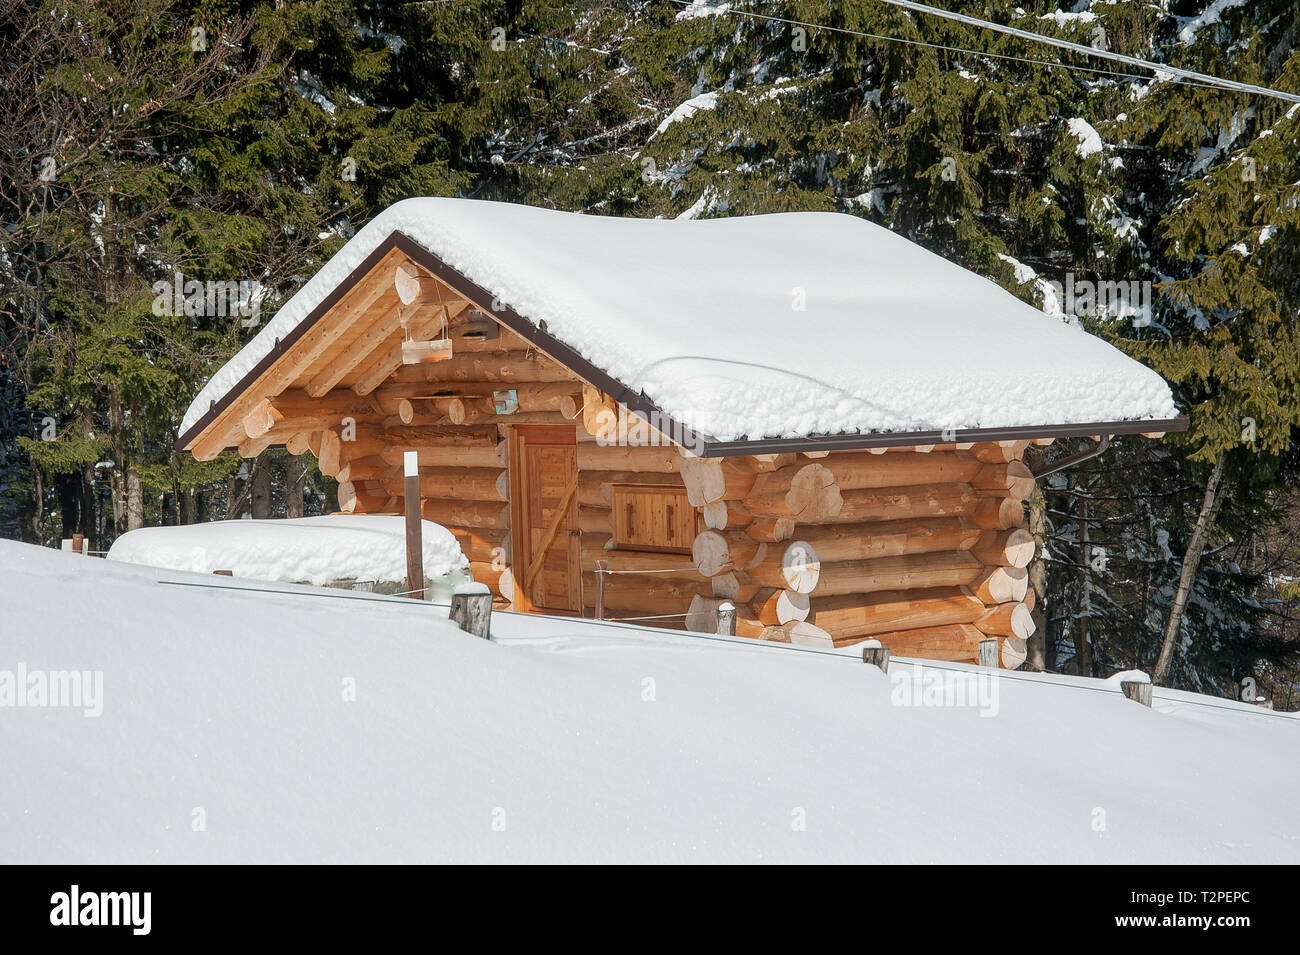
761, 326
704, 8
1129, 676
1211, 15
333, 727
313, 550
1061, 18
1089, 139
705, 101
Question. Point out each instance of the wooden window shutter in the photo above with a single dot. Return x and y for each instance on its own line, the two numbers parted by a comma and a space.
652, 518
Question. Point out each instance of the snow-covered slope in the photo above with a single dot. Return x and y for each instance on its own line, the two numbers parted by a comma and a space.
568, 740
314, 550
761, 326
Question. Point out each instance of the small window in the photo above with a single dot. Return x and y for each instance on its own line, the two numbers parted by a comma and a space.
507, 402
652, 518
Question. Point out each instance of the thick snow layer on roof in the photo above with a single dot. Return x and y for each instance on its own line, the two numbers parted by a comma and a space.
762, 326
313, 550
314, 729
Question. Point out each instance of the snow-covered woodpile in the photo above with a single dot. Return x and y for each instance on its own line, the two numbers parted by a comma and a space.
566, 500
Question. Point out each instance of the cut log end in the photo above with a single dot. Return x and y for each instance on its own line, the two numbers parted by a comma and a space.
800, 567
1010, 548
1007, 620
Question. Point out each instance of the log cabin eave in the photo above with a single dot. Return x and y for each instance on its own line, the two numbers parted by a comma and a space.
534, 334
907, 439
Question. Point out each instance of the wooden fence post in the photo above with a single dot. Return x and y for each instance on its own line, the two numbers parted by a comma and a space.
471, 609
989, 653
727, 618
875, 654
414, 528
602, 572
78, 543
1137, 690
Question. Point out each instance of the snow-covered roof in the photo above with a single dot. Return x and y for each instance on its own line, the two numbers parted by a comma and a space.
774, 326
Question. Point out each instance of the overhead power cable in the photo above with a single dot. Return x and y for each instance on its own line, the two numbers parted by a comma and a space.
1159, 68
1172, 74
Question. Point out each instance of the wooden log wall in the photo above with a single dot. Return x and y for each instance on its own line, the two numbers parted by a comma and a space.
445, 411
922, 549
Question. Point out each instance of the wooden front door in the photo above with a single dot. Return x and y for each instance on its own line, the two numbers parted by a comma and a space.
544, 510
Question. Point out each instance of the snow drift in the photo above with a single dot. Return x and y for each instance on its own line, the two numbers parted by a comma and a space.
315, 550
244, 726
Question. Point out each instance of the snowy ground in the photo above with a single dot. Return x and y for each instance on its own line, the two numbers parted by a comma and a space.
567, 740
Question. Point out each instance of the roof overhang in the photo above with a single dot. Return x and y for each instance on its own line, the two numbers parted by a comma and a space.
637, 402
906, 439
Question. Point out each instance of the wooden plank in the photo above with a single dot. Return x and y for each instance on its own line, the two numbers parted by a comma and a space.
227, 429
386, 357
652, 518
500, 367
379, 329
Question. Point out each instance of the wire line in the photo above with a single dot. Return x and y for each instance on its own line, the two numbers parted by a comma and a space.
1180, 76
1190, 75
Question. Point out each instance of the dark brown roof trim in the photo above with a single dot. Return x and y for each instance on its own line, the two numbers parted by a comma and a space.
1070, 460
636, 401
904, 439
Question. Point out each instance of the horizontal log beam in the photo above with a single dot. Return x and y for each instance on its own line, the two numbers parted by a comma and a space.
866, 540
645, 595
717, 552
502, 367
905, 572
1012, 478
957, 642
932, 500
997, 585
795, 566
457, 484
856, 470
858, 616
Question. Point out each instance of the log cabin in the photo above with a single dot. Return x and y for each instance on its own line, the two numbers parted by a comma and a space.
803, 414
